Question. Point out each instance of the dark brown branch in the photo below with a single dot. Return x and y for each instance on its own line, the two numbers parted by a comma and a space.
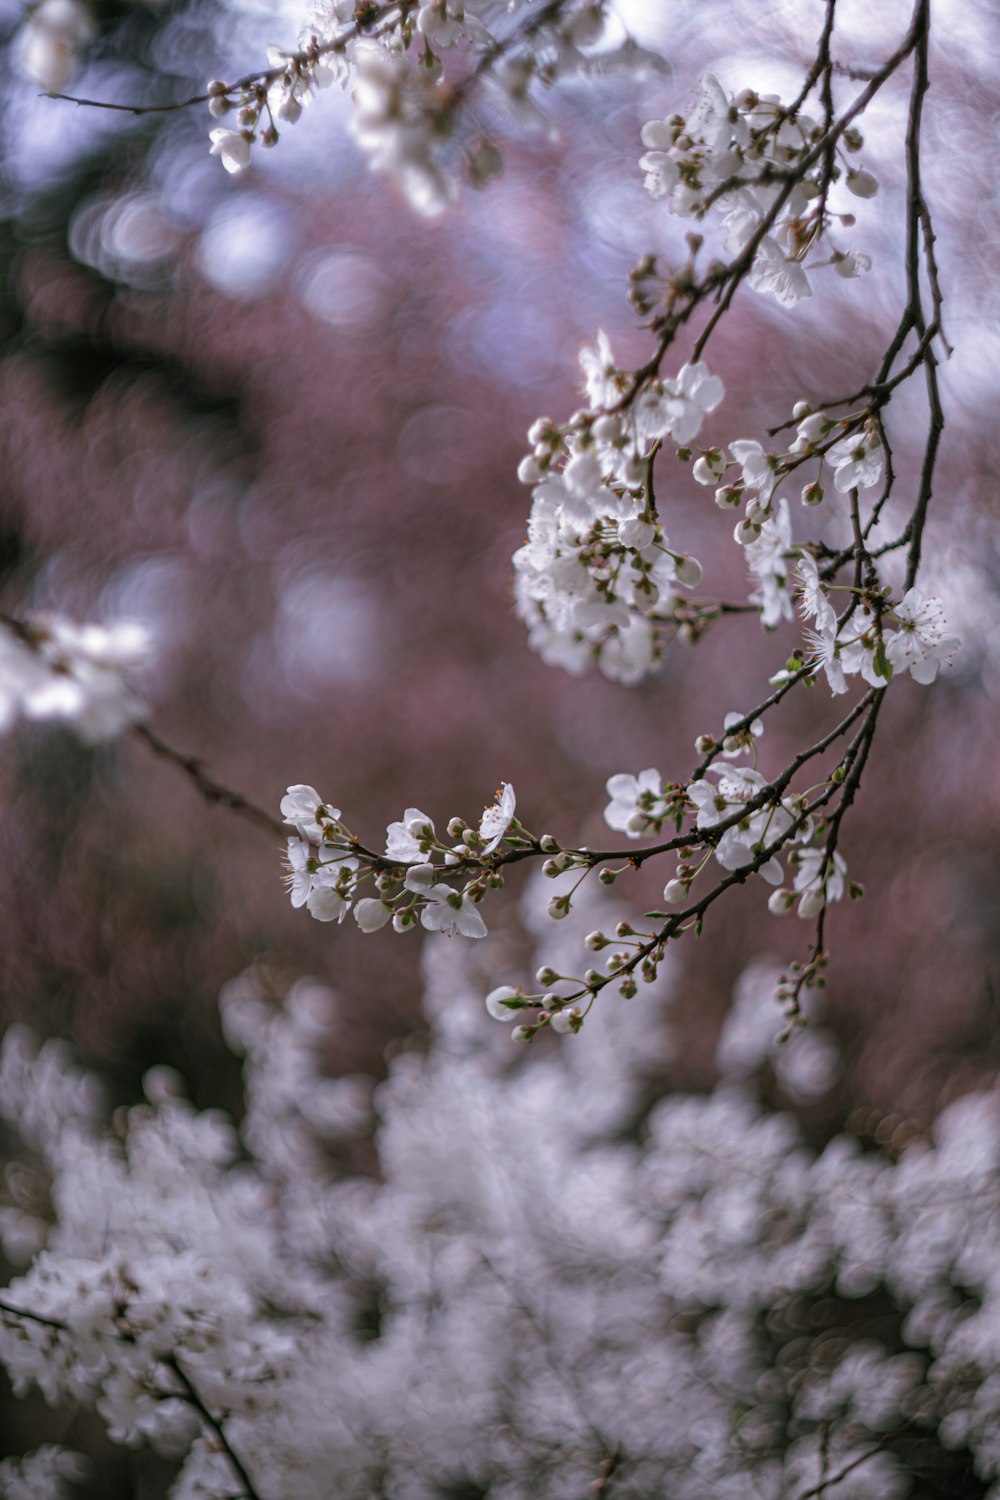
192, 1396
11, 1311
188, 1392
260, 81
213, 791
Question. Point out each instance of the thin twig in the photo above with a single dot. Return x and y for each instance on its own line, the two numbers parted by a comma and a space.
192, 1396
213, 791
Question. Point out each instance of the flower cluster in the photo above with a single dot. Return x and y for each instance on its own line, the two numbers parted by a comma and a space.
597, 579
875, 638
408, 104
738, 839
52, 668
766, 169
783, 1313
851, 446
418, 880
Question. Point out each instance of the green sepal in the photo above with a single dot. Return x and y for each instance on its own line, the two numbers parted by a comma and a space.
883, 666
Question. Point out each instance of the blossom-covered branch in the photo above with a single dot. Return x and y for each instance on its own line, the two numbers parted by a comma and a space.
410, 103
599, 582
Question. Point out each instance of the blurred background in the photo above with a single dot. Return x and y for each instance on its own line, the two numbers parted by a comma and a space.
276, 417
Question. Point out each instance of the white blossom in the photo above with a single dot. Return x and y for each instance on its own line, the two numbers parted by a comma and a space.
636, 802
497, 817
409, 839
920, 644
232, 147
445, 910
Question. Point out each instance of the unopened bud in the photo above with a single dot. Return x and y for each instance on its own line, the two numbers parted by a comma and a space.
729, 496
862, 184
689, 572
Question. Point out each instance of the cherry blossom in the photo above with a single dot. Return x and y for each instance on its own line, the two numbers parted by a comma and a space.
920, 644
444, 910
497, 818
637, 802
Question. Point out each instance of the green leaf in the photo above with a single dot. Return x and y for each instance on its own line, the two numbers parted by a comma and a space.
883, 666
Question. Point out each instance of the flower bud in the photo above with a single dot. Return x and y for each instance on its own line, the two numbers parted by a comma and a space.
689, 572
780, 903
219, 106
595, 941
811, 904
704, 743
547, 844
729, 496
371, 914
861, 183
495, 1003
746, 532
674, 892
216, 87
546, 975
522, 1033
559, 907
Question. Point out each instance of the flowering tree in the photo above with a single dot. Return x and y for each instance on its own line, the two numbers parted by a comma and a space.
628, 1294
